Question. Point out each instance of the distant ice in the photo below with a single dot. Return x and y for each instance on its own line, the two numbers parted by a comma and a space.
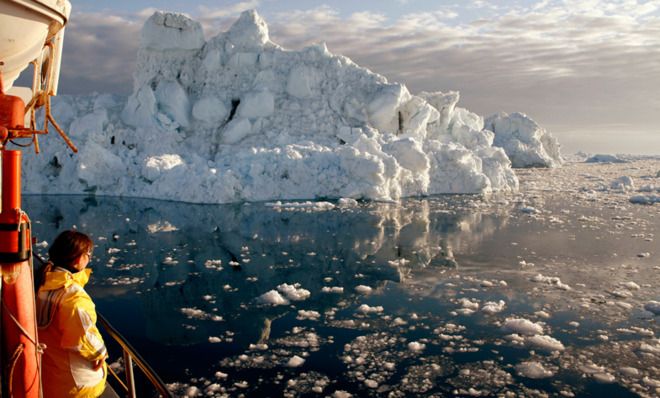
653, 306
605, 158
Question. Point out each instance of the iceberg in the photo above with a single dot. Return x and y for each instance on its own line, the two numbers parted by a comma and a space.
239, 118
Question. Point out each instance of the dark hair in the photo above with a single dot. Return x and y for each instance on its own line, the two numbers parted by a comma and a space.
67, 247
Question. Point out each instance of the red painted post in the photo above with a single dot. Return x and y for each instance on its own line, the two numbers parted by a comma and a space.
19, 343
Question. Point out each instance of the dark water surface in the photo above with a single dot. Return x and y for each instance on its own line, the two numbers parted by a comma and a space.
183, 283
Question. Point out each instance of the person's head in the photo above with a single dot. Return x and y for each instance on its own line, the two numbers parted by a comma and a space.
71, 250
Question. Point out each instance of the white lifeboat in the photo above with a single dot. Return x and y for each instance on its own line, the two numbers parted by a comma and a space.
25, 27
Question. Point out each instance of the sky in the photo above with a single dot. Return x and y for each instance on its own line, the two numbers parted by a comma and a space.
586, 70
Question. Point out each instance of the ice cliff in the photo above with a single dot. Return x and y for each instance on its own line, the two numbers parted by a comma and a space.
239, 118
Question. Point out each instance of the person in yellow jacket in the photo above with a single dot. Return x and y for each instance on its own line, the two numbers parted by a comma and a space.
73, 363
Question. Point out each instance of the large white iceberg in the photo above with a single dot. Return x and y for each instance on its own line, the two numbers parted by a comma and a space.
239, 118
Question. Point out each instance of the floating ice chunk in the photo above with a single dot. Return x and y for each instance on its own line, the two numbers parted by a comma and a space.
492, 307
653, 306
550, 280
624, 183
366, 309
653, 383
604, 377
545, 343
645, 199
310, 315
529, 210
196, 313
161, 226
371, 383
362, 289
333, 289
631, 286
621, 293
307, 205
468, 306
170, 261
272, 297
295, 361
416, 346
629, 371
342, 394
193, 391
522, 326
605, 158
294, 292
533, 370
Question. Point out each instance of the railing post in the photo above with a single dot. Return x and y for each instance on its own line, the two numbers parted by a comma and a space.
130, 380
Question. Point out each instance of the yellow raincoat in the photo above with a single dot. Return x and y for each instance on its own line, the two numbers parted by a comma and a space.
66, 318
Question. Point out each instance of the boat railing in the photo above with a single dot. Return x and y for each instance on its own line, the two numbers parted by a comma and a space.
131, 357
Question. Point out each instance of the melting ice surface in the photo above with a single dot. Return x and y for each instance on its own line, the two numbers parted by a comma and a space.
552, 291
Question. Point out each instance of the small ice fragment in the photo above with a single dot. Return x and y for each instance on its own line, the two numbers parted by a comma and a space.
311, 315
342, 394
492, 307
533, 370
366, 309
604, 377
416, 346
653, 307
332, 289
295, 361
362, 289
272, 297
546, 343
629, 371
522, 326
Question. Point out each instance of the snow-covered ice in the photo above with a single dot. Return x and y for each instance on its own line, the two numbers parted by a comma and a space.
239, 118
525, 142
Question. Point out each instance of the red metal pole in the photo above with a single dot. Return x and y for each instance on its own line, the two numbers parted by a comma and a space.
19, 329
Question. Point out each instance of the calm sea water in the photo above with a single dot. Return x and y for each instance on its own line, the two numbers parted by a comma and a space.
406, 285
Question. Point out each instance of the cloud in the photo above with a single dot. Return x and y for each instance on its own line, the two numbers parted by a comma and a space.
100, 53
